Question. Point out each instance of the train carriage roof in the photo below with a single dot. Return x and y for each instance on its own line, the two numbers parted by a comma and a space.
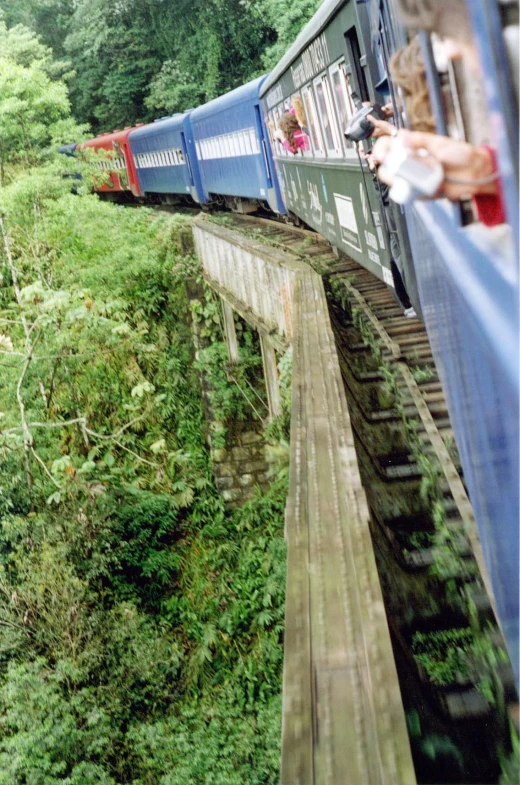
172, 123
247, 92
312, 29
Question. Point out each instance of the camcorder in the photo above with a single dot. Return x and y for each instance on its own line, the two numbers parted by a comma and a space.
359, 127
413, 173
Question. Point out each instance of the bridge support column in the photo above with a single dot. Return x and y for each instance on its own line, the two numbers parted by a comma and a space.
229, 329
270, 376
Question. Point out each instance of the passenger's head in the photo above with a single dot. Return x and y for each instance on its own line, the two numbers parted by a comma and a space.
449, 19
409, 73
288, 125
297, 105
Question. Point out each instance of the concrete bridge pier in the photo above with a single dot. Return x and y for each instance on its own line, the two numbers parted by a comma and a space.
230, 332
271, 376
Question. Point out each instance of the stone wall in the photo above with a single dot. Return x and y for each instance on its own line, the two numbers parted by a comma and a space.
241, 465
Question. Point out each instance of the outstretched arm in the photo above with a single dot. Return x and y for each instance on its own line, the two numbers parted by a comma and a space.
468, 170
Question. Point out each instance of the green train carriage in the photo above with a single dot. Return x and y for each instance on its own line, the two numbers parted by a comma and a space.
326, 186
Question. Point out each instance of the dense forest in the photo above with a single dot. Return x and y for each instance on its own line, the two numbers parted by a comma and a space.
135, 60
141, 621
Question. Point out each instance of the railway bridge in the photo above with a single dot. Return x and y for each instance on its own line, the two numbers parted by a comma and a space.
343, 718
376, 501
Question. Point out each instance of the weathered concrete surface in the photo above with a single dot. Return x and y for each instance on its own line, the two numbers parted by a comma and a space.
256, 280
343, 719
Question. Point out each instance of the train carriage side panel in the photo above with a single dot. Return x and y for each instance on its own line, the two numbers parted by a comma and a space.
468, 279
326, 186
229, 136
163, 160
123, 174
470, 304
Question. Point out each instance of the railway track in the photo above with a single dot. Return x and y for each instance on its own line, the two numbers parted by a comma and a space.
423, 530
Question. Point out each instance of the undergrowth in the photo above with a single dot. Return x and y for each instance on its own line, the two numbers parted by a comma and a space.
142, 622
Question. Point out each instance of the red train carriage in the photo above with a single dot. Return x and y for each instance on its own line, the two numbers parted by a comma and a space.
121, 167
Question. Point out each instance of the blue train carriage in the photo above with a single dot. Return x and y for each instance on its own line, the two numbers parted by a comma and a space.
468, 281
326, 186
166, 161
235, 159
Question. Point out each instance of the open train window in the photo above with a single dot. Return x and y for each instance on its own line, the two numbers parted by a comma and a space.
310, 113
301, 116
354, 65
448, 81
342, 97
327, 116
280, 149
270, 125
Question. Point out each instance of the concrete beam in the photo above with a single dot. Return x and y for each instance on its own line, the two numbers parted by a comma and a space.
229, 329
271, 376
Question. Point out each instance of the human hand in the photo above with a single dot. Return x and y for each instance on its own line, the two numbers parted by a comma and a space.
388, 109
371, 161
381, 127
468, 170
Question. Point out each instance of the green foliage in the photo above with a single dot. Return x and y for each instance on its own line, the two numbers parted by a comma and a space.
288, 18
136, 59
45, 737
422, 374
433, 751
510, 769
128, 595
444, 654
212, 741
34, 107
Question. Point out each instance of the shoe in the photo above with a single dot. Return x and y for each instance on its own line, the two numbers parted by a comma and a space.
410, 313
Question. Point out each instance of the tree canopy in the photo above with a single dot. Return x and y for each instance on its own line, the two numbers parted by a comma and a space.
135, 60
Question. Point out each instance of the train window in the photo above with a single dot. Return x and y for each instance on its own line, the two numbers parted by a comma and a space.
342, 97
452, 81
269, 124
327, 116
241, 143
310, 113
278, 147
254, 141
354, 66
299, 111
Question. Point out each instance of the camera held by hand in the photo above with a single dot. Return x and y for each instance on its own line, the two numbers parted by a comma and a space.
359, 126
413, 174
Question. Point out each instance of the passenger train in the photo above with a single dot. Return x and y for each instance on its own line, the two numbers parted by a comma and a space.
462, 277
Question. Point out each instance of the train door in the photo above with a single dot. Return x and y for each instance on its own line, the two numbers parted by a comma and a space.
384, 41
